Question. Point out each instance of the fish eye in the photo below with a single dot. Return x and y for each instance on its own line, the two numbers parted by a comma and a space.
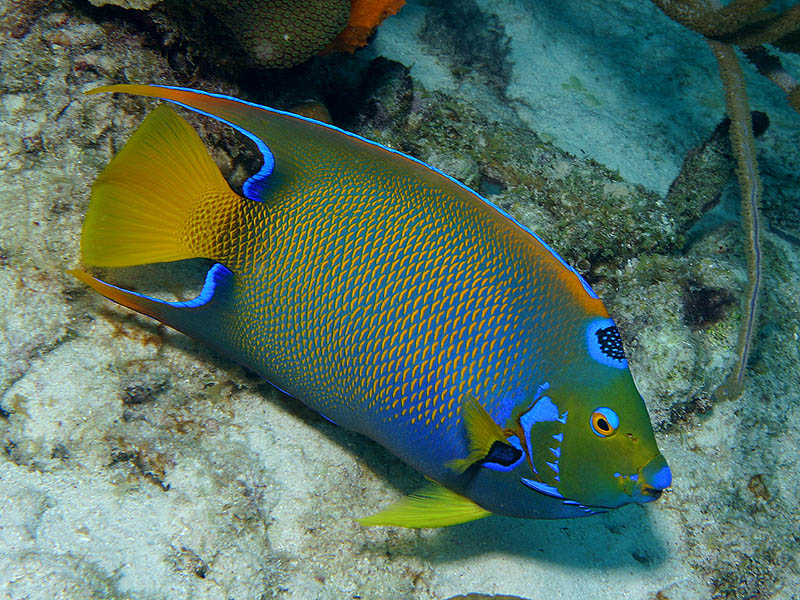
604, 421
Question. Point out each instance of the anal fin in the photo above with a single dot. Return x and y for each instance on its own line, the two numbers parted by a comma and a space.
432, 506
193, 317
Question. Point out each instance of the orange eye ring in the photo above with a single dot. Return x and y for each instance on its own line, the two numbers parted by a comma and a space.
604, 422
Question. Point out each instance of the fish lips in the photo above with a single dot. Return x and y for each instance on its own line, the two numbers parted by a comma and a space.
654, 478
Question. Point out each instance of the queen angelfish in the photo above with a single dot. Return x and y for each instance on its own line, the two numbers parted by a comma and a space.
391, 299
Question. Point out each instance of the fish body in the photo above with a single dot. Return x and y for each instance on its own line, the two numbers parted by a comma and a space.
394, 301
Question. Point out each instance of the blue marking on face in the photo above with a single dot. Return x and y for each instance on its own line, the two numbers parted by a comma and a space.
542, 411
543, 488
605, 344
585, 508
256, 182
514, 441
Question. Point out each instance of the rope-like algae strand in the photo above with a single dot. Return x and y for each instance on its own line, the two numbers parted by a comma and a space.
773, 30
744, 149
711, 18
770, 67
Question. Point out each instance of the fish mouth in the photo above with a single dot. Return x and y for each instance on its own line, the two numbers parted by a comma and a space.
654, 478
649, 493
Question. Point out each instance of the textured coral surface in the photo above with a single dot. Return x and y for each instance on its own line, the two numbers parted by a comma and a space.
138, 464
281, 33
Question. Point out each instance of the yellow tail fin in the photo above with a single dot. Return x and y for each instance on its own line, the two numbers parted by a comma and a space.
158, 200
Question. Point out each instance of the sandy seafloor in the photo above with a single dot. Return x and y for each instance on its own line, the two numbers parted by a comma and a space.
138, 464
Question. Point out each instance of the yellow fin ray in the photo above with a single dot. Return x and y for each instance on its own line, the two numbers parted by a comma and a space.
143, 201
432, 506
482, 432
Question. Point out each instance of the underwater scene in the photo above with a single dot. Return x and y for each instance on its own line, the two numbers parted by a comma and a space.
386, 299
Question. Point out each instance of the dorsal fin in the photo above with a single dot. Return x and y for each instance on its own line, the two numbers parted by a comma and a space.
296, 144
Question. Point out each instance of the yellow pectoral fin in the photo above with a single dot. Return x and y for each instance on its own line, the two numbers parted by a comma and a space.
432, 506
482, 433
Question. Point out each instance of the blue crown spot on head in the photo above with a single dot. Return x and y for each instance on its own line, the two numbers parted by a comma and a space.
605, 344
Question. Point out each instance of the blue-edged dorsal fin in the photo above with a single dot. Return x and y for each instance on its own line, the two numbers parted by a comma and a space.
292, 145
432, 506
195, 318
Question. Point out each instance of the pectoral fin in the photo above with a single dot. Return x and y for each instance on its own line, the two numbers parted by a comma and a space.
486, 438
432, 506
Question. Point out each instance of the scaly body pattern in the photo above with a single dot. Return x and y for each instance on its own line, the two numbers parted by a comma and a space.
393, 300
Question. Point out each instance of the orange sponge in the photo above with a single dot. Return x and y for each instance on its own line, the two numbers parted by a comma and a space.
365, 16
